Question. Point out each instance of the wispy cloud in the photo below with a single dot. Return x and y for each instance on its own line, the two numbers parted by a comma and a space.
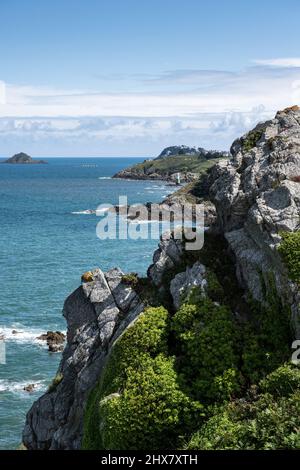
197, 107
190, 77
280, 62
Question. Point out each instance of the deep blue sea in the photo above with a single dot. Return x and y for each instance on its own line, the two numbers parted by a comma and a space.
46, 243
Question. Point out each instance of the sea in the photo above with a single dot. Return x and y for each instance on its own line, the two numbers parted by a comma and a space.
47, 240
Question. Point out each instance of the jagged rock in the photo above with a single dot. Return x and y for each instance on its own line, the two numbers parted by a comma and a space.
55, 348
167, 255
29, 388
182, 284
97, 313
123, 294
54, 339
256, 196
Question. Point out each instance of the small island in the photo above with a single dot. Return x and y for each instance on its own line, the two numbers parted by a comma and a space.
24, 159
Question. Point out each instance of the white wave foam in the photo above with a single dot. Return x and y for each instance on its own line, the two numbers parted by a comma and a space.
18, 387
22, 335
103, 209
104, 178
86, 212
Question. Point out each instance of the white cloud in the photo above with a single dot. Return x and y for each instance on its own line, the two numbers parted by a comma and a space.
2, 93
280, 62
205, 108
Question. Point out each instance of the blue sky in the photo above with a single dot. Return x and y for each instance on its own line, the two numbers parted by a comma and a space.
129, 77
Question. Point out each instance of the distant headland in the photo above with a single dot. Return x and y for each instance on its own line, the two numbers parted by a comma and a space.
23, 158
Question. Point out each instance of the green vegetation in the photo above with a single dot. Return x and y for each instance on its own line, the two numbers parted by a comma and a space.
173, 164
138, 403
266, 338
151, 411
206, 340
130, 279
269, 418
214, 289
223, 286
55, 382
290, 252
252, 138
203, 377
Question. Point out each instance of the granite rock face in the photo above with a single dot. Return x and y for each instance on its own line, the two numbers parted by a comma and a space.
257, 195
183, 283
96, 313
166, 257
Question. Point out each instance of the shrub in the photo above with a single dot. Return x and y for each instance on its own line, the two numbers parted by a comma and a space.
148, 335
148, 293
270, 421
266, 337
150, 413
207, 340
290, 252
251, 139
284, 381
138, 403
215, 256
130, 279
220, 432
55, 382
214, 289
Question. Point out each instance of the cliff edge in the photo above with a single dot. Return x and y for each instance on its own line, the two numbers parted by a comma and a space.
209, 327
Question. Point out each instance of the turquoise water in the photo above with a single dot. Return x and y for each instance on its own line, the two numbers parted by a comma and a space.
46, 243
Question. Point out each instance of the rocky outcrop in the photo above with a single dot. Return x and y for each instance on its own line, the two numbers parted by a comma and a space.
29, 388
165, 258
24, 159
96, 313
54, 339
183, 283
257, 195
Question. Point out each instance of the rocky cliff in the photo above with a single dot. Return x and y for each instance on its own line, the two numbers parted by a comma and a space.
245, 261
96, 314
257, 197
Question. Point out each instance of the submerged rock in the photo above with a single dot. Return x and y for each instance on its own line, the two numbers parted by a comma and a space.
29, 388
